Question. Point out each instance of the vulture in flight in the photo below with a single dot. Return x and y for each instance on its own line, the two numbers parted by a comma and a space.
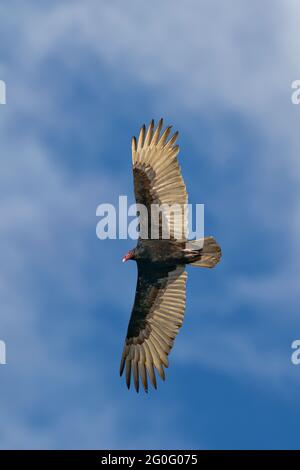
159, 304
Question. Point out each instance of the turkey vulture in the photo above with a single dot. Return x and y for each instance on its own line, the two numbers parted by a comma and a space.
159, 303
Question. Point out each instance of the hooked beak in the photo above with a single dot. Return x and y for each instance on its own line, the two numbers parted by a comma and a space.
127, 257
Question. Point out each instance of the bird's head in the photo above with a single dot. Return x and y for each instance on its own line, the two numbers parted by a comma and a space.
130, 255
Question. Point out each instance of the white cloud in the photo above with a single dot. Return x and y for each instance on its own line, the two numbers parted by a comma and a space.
196, 58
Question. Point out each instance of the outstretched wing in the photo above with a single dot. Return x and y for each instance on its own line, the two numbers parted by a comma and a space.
156, 317
158, 181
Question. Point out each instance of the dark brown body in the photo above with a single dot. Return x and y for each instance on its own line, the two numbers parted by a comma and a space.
167, 252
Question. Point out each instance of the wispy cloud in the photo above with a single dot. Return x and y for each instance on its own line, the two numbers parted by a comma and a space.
222, 73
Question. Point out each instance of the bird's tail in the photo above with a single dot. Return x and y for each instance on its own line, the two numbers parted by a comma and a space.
209, 252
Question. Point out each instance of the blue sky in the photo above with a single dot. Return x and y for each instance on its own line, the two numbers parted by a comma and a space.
81, 78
